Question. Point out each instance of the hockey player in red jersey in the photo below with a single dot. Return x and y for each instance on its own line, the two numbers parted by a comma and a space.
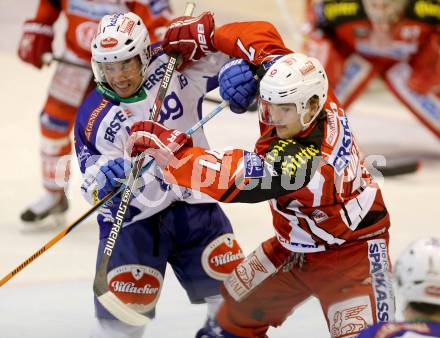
70, 85
396, 40
330, 221
418, 279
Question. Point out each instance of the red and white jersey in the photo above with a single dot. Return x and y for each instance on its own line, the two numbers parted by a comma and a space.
83, 17
340, 202
320, 193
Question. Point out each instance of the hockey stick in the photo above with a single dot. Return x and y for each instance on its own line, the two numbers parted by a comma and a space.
100, 285
48, 58
107, 298
60, 235
253, 107
106, 198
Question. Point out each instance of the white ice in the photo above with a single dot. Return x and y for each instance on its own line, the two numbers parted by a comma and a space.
52, 297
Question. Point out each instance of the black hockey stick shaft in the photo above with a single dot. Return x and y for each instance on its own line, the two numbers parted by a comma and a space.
100, 284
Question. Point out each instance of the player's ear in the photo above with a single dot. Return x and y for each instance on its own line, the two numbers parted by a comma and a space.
313, 105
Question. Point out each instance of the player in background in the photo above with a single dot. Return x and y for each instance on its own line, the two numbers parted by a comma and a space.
165, 223
69, 85
396, 40
418, 279
330, 221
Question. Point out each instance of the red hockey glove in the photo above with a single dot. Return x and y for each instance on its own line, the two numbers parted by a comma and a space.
157, 141
425, 76
191, 38
36, 40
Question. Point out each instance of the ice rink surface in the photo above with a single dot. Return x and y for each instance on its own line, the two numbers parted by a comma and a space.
53, 296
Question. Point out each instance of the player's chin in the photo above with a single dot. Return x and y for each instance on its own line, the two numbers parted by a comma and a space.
126, 92
282, 131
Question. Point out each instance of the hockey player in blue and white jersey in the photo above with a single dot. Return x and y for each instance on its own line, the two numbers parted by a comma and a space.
165, 223
418, 278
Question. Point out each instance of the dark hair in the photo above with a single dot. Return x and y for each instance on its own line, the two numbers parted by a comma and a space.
314, 99
425, 308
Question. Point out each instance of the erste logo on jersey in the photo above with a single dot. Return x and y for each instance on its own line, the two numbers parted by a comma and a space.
114, 126
221, 256
342, 158
138, 286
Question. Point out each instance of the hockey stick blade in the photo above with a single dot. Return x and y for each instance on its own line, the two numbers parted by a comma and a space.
125, 313
113, 304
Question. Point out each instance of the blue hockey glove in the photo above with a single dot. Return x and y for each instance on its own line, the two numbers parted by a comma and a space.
111, 174
237, 85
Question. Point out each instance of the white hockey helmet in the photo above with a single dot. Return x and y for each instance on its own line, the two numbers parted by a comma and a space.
295, 78
418, 272
384, 11
119, 37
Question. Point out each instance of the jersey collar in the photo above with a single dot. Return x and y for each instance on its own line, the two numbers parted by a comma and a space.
138, 96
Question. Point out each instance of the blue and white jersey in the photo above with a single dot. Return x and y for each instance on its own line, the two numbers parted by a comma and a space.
402, 330
102, 129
